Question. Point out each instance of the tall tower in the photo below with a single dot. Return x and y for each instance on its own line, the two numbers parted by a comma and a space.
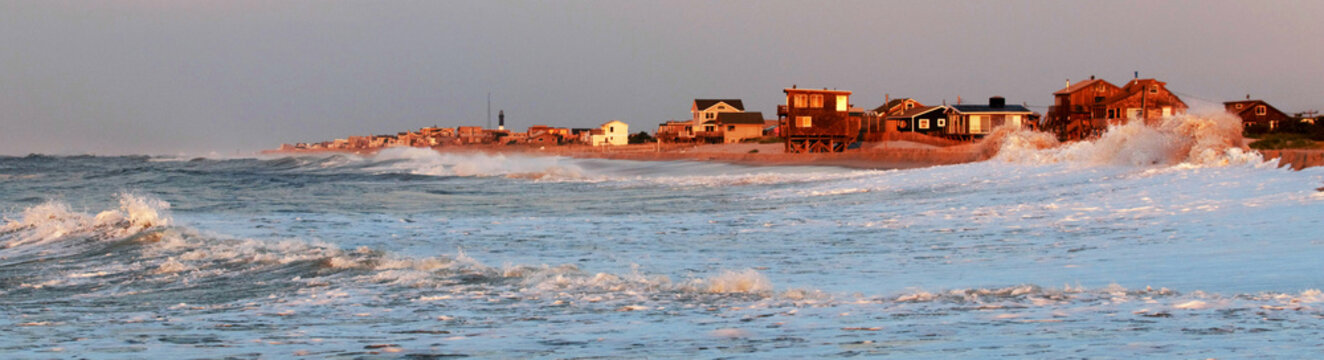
501, 120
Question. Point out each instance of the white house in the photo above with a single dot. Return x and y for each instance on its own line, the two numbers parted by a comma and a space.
612, 132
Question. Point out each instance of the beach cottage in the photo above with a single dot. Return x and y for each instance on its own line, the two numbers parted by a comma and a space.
972, 121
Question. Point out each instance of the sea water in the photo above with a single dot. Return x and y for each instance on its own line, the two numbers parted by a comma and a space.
1165, 240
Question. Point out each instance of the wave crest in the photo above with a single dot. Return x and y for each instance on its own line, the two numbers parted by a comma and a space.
1208, 139
54, 220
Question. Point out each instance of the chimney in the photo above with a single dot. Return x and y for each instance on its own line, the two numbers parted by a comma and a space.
1091, 77
1137, 74
958, 99
1247, 96
1068, 82
997, 102
501, 120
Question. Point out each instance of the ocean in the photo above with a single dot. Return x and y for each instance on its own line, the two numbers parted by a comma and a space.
1159, 241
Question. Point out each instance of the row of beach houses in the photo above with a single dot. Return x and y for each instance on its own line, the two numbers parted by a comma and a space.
611, 133
825, 120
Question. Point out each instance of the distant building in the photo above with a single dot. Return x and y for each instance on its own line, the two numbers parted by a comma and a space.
1257, 112
973, 121
611, 133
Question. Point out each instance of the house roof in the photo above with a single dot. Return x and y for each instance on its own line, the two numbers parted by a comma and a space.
1251, 104
740, 118
893, 103
704, 104
908, 114
1137, 86
1078, 86
971, 108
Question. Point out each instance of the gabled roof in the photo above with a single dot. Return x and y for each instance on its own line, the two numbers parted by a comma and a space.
1250, 105
1137, 86
704, 104
1010, 108
893, 103
1081, 85
918, 111
740, 118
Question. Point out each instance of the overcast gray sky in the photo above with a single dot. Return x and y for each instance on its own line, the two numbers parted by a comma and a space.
169, 77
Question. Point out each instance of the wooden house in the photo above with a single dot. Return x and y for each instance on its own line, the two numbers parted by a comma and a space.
1076, 107
1086, 109
675, 131
924, 120
817, 120
972, 121
875, 121
1257, 113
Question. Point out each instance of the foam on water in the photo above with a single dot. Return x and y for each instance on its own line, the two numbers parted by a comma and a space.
1205, 139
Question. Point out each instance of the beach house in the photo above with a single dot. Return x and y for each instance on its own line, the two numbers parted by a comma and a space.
611, 133
973, 121
817, 120
1087, 108
1257, 113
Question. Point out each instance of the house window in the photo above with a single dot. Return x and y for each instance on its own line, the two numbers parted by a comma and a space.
975, 122
611, 129
1112, 113
1273, 124
910, 105
923, 123
709, 116
942, 122
730, 128
803, 121
1239, 106
709, 128
1153, 89
842, 103
800, 100
816, 101
1098, 99
1261, 110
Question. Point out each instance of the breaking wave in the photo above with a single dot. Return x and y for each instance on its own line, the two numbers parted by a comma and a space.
136, 250
421, 161
1207, 139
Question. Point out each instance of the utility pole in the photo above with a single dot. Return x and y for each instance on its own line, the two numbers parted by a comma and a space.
489, 110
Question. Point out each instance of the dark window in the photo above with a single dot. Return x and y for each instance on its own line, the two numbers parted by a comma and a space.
1098, 99
730, 128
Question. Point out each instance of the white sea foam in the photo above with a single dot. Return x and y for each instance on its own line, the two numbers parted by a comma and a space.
1205, 139
421, 161
54, 221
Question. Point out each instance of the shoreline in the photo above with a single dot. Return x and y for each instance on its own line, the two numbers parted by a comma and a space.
876, 157
867, 159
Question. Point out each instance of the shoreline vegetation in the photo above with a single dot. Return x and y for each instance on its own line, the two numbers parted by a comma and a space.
883, 155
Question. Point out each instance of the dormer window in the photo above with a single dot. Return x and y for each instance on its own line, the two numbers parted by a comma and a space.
1239, 106
1153, 89
1261, 110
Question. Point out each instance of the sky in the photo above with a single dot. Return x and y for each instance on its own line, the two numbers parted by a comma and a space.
234, 77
